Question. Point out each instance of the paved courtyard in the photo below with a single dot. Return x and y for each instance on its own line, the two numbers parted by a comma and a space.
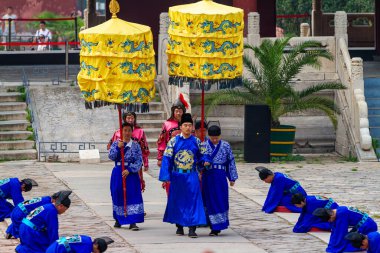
354, 184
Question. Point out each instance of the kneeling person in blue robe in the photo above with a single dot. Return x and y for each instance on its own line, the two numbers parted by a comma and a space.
308, 204
281, 189
12, 188
182, 155
40, 228
79, 244
342, 219
134, 212
23, 209
370, 242
214, 180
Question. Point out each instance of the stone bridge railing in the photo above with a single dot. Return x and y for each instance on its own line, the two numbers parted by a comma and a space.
354, 110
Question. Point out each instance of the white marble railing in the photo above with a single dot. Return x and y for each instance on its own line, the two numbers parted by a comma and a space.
354, 108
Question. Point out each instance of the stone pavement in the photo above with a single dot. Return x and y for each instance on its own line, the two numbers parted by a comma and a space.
251, 230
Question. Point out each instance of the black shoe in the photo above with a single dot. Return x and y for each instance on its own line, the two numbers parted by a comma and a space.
8, 236
179, 230
214, 233
133, 227
117, 225
192, 233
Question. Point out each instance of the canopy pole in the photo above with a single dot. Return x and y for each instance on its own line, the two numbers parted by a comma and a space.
203, 111
122, 162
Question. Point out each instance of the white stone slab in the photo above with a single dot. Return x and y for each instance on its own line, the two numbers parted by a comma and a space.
89, 156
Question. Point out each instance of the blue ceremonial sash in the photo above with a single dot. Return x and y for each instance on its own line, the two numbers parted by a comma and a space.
65, 244
329, 204
294, 188
23, 209
362, 221
30, 224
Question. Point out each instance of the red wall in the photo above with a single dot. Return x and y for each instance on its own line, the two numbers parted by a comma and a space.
30, 8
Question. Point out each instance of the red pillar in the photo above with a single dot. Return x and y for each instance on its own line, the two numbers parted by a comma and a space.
377, 26
267, 11
248, 6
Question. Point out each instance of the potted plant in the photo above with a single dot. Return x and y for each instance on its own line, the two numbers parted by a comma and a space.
270, 82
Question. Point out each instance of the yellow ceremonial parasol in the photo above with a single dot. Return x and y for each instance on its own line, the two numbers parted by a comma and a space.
117, 66
205, 45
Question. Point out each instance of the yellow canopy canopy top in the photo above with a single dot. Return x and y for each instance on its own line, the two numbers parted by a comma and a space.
206, 42
117, 63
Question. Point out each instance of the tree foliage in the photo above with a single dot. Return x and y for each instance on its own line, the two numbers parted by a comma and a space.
291, 26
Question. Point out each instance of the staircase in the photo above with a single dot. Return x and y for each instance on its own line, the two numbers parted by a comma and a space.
15, 142
151, 122
372, 95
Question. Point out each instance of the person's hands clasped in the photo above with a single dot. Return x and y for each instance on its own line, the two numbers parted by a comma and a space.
125, 173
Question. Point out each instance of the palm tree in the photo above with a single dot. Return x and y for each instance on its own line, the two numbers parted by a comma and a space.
273, 71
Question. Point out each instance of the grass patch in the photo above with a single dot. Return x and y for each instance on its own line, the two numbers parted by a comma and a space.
31, 137
29, 128
354, 169
28, 115
350, 158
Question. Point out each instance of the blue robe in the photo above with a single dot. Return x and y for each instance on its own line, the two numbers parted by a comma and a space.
307, 220
133, 163
185, 205
280, 193
22, 210
71, 244
348, 217
38, 230
215, 185
373, 242
10, 188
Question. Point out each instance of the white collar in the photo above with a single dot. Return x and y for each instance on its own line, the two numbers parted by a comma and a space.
129, 144
183, 137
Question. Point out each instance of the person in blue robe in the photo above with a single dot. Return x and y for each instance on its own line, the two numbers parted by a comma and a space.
342, 219
181, 157
281, 189
40, 227
308, 204
23, 209
214, 180
133, 163
78, 244
12, 188
370, 242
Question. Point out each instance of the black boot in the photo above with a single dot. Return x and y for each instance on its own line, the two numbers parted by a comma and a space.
192, 233
214, 233
179, 230
8, 236
134, 227
117, 225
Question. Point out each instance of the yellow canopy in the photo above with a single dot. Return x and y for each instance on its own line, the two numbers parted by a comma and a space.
205, 42
117, 63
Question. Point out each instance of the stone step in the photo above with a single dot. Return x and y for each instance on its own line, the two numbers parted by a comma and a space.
13, 125
156, 115
14, 135
374, 120
16, 145
150, 123
10, 96
371, 82
27, 154
372, 91
373, 102
375, 132
12, 106
152, 133
156, 106
373, 111
13, 115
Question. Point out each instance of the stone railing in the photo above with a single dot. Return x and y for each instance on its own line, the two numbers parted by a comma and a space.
353, 132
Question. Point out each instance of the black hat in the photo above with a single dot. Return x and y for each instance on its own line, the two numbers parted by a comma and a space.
186, 118
63, 198
103, 243
355, 239
263, 172
198, 124
214, 131
297, 198
29, 183
323, 213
